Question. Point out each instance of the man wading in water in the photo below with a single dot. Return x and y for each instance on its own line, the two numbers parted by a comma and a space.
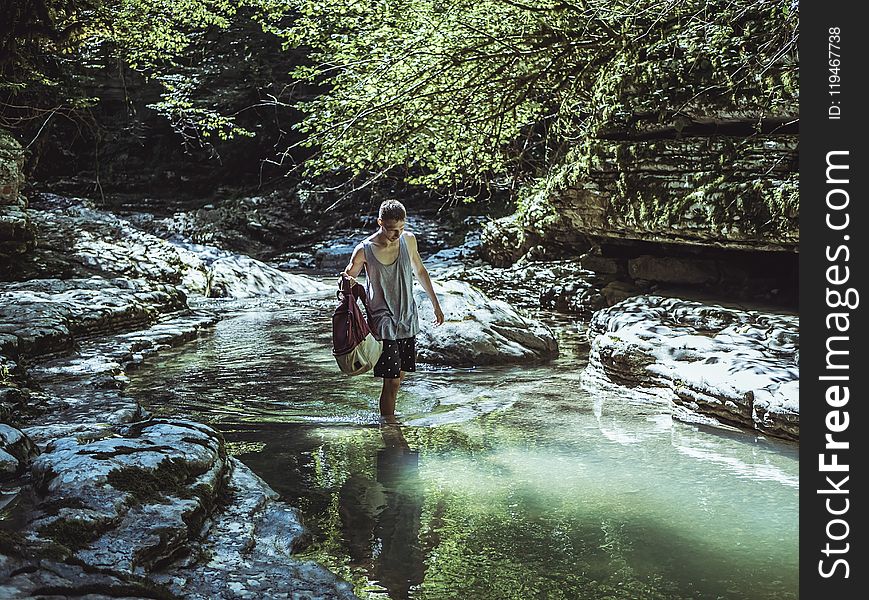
391, 258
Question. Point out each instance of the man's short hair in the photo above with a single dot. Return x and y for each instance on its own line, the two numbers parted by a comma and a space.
392, 210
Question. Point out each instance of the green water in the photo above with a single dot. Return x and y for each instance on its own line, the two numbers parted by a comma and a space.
501, 482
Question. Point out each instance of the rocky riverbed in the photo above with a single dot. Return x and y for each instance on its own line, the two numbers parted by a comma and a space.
100, 497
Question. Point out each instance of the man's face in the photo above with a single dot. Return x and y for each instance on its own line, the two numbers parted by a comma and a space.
391, 229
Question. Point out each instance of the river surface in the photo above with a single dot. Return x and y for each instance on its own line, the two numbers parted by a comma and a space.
503, 482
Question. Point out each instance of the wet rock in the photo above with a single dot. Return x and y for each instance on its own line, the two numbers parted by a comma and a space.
246, 550
159, 502
257, 226
16, 450
296, 260
243, 277
30, 569
334, 258
130, 501
738, 366
14, 395
479, 330
47, 315
82, 392
503, 241
467, 254
561, 285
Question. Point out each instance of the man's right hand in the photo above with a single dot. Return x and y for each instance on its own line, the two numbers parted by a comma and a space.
349, 278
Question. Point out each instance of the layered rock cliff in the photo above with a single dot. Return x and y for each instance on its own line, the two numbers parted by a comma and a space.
694, 147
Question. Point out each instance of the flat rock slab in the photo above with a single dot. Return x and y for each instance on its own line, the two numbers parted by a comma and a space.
738, 366
132, 500
77, 237
246, 550
16, 450
478, 330
44, 316
84, 390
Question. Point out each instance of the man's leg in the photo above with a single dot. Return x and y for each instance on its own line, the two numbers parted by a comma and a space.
389, 394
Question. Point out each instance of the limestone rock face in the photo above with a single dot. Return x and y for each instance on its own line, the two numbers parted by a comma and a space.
478, 330
738, 366
247, 551
130, 501
17, 233
723, 192
692, 141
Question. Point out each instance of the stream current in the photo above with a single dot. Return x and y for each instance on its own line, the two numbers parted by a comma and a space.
502, 482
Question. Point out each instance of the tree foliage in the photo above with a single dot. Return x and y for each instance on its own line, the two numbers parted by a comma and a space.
469, 92
457, 95
48, 45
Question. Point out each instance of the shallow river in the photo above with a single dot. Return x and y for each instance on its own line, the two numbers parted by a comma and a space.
508, 482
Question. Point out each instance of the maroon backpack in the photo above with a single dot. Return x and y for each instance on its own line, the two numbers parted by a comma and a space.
354, 348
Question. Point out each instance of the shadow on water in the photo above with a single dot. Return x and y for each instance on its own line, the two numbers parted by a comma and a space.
503, 482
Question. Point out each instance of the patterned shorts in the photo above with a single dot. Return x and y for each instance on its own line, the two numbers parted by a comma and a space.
398, 355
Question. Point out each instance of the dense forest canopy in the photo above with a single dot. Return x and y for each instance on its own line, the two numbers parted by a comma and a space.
457, 95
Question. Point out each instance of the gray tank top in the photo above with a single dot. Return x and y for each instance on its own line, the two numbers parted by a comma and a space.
392, 309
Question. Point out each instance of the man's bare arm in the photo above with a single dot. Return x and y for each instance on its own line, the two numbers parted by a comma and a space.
354, 267
422, 274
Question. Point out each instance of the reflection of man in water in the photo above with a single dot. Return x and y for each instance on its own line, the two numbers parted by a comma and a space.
391, 259
382, 519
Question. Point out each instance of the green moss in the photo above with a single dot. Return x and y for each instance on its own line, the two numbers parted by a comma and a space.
154, 486
12, 543
53, 507
16, 545
74, 534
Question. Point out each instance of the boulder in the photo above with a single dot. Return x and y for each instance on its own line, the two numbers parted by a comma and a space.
738, 366
159, 505
247, 550
243, 277
503, 241
478, 330
562, 285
